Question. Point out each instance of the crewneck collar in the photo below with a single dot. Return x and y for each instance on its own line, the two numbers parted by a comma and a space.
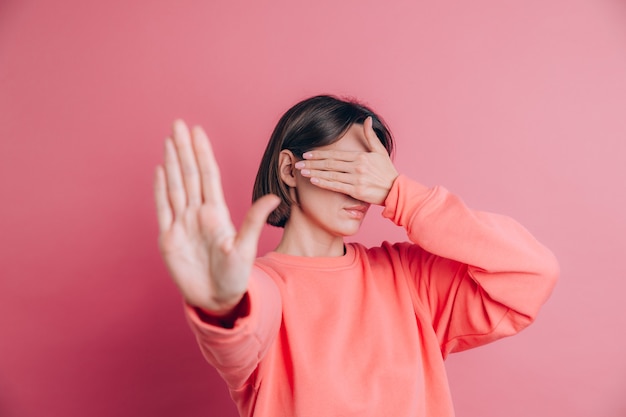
315, 262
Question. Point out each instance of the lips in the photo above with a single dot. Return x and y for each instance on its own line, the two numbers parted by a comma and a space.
357, 211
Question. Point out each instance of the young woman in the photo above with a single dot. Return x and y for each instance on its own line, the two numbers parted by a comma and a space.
322, 328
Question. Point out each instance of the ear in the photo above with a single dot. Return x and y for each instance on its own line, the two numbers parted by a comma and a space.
286, 169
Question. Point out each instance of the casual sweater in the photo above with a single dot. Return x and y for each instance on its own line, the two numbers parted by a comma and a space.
366, 334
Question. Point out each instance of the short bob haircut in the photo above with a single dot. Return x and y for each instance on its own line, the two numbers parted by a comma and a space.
311, 123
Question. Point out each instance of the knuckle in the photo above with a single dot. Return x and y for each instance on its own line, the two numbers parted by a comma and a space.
360, 169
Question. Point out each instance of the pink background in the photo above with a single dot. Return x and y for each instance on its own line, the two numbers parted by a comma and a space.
518, 106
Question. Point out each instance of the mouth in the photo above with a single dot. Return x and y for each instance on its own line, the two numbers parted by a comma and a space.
357, 211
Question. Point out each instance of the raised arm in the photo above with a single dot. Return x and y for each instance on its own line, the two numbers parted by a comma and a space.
233, 308
478, 276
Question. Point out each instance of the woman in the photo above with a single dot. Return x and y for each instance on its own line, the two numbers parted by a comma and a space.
322, 328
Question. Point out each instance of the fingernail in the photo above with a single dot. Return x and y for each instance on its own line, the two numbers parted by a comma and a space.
314, 180
305, 172
299, 164
307, 155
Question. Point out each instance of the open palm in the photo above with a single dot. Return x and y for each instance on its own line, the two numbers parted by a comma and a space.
208, 259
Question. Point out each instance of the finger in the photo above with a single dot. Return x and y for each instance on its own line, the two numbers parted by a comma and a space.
333, 176
340, 187
373, 142
209, 171
347, 156
326, 165
248, 236
164, 211
188, 165
174, 179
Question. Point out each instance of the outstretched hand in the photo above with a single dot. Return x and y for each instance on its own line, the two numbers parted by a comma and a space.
366, 176
208, 259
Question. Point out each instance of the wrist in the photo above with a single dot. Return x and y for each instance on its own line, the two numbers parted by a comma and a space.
223, 306
225, 314
386, 190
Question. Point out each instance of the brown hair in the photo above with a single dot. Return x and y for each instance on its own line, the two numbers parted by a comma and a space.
311, 123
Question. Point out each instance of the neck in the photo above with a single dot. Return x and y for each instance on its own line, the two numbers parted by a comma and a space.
301, 238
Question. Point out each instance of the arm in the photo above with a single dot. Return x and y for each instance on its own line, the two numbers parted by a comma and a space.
210, 261
481, 276
235, 352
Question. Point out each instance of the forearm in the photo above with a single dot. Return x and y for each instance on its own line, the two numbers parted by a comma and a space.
442, 224
501, 266
235, 350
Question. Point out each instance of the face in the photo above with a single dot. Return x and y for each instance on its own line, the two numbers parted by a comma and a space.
329, 212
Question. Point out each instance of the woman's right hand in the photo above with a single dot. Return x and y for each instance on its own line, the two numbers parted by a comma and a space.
208, 259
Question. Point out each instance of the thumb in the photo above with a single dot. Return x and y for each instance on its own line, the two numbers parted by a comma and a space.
248, 236
374, 144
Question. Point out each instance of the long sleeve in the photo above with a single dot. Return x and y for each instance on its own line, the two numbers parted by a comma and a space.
479, 276
236, 352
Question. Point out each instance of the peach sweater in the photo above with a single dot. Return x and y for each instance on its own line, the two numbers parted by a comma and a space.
366, 334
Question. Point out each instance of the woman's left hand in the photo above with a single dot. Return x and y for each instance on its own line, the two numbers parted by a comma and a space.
366, 176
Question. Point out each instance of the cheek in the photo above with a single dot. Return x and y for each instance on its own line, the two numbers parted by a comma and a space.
316, 198
305, 188
319, 195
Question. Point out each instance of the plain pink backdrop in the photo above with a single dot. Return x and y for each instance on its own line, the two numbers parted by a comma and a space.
519, 107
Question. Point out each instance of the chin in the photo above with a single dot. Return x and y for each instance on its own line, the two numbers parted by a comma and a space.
349, 231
